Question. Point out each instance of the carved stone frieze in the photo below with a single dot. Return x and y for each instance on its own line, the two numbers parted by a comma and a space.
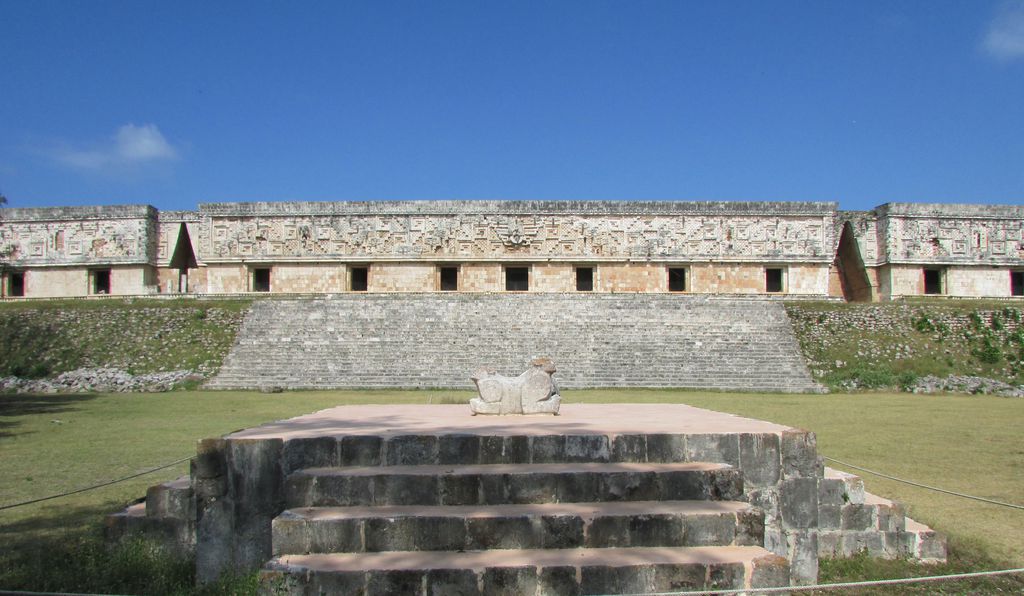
475, 236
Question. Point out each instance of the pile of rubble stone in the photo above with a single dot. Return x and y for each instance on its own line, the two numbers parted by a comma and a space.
99, 379
965, 384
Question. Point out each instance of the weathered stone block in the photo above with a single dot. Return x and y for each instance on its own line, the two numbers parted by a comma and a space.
760, 459
684, 486
255, 484
830, 543
211, 459
629, 448
342, 536
679, 578
709, 530
630, 486
509, 581
799, 454
452, 582
770, 572
171, 500
799, 502
316, 452
558, 581
607, 532
460, 489
854, 542
350, 583
357, 450
384, 534
411, 489
830, 517
291, 536
580, 487
664, 448
890, 517
858, 517
604, 579
440, 533
749, 528
726, 576
561, 531
533, 488
500, 532
659, 530
493, 450
727, 485
587, 448
832, 491
411, 450
714, 448
391, 582
547, 449
803, 556
458, 449
493, 489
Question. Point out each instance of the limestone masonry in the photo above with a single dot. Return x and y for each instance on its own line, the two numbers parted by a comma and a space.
749, 248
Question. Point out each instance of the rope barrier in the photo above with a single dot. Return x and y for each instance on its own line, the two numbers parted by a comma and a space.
835, 586
93, 487
919, 485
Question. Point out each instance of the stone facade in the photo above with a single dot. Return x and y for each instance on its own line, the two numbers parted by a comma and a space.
749, 248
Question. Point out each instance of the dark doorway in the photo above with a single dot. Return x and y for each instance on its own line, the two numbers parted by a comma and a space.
853, 275
932, 281
360, 279
1016, 283
261, 280
16, 285
677, 279
584, 279
101, 281
449, 279
773, 280
184, 258
517, 279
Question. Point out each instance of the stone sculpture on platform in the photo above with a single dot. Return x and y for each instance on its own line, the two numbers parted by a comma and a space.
533, 392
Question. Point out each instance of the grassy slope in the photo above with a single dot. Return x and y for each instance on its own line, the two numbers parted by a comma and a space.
53, 443
890, 344
44, 338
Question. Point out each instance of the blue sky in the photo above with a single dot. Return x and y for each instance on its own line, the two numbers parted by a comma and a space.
178, 103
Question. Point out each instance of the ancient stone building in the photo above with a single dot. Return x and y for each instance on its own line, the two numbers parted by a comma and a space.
748, 248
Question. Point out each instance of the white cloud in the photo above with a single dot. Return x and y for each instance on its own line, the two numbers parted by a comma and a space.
130, 146
1005, 37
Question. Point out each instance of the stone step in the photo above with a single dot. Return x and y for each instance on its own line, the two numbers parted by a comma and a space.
171, 499
437, 340
549, 525
562, 572
851, 520
499, 484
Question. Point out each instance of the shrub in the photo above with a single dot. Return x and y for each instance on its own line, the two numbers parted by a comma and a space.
924, 324
988, 353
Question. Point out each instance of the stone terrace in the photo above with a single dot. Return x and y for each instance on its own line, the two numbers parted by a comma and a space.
619, 498
596, 340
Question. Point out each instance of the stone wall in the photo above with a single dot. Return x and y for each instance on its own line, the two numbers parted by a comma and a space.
527, 230
724, 247
79, 235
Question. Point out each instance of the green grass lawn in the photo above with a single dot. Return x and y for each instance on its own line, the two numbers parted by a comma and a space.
50, 444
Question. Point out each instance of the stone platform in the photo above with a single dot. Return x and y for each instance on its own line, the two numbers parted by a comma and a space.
603, 498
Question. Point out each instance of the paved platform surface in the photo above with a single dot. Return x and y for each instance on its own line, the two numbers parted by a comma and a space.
530, 558
574, 419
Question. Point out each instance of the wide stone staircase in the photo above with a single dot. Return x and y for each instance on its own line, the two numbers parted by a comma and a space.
550, 516
438, 340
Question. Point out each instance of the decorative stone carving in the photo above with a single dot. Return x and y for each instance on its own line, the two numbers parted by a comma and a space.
533, 392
